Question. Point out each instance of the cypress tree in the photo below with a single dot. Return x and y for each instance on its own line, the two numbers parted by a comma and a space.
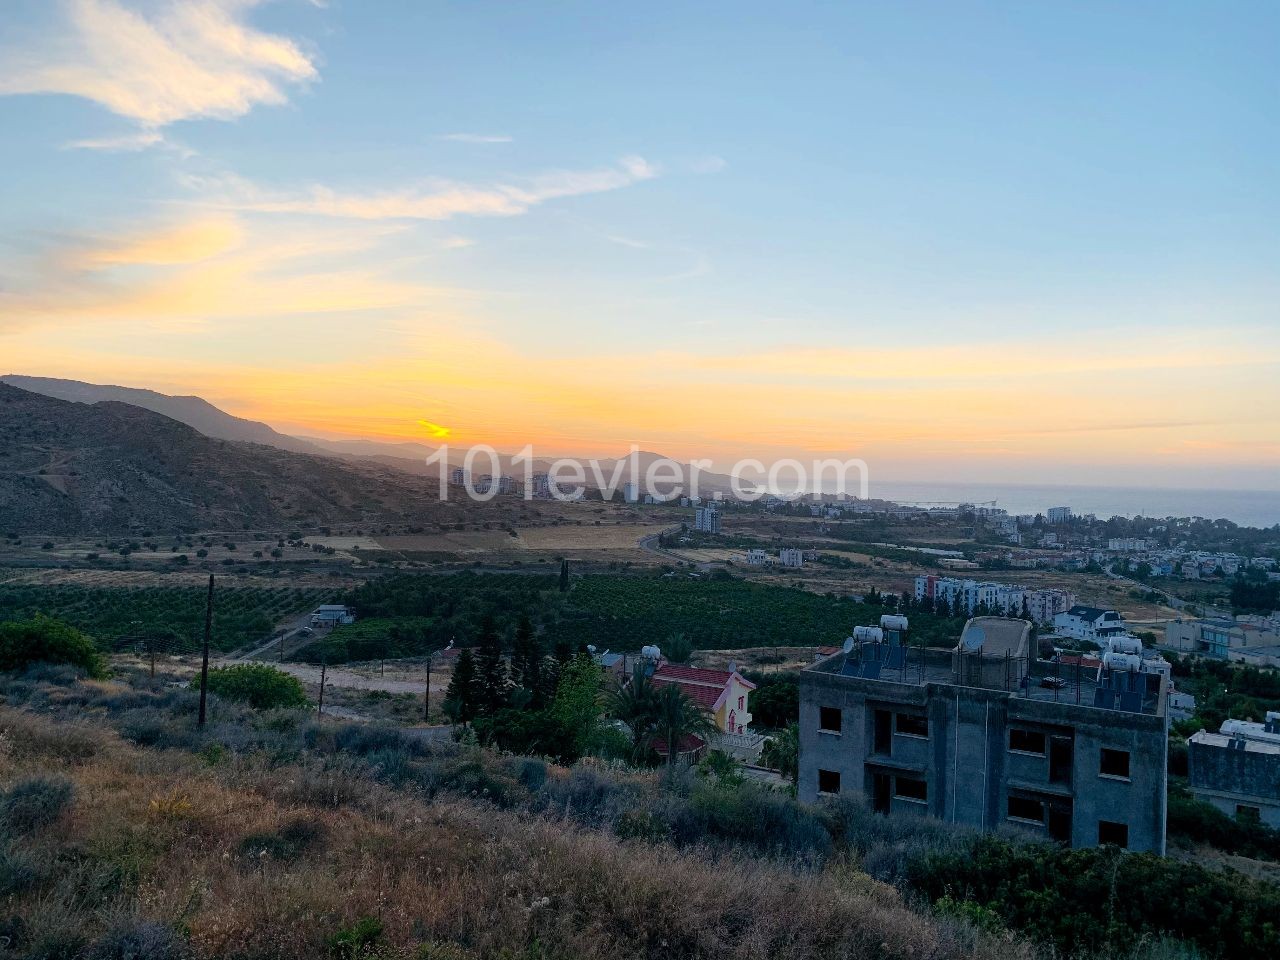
460, 698
526, 655
564, 576
491, 672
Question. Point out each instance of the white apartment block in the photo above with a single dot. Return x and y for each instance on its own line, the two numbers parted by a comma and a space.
1058, 514
791, 557
1000, 598
631, 492
707, 519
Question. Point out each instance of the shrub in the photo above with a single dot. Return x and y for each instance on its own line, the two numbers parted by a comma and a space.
357, 940
45, 640
19, 871
258, 685
34, 803
139, 940
288, 843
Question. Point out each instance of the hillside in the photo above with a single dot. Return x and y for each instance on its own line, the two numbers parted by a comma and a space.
110, 467
195, 412
409, 457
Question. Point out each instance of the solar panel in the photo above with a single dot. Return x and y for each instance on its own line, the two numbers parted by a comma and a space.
1104, 698
1131, 702
872, 670
897, 657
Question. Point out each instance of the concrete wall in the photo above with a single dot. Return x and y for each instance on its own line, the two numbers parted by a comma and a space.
968, 765
1229, 778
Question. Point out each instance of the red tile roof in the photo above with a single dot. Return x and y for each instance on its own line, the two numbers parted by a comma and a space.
705, 687
688, 744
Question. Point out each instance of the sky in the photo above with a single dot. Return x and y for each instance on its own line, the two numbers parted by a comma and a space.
975, 241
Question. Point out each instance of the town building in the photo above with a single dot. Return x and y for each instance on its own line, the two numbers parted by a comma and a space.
1058, 515
1088, 623
707, 519
756, 557
457, 477
1237, 769
631, 492
791, 557
1041, 606
332, 615
986, 735
1220, 637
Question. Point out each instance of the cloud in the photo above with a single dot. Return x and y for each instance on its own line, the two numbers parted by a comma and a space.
206, 268
476, 138
173, 61
129, 143
435, 199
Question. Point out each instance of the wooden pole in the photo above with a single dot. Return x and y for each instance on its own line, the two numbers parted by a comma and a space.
320, 705
204, 664
426, 694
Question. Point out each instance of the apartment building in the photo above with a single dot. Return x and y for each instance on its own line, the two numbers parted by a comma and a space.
791, 557
969, 595
985, 735
1220, 637
707, 519
1058, 514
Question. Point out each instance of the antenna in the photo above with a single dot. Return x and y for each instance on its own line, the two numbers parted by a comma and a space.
848, 646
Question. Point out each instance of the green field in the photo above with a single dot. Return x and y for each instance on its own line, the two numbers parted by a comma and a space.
174, 615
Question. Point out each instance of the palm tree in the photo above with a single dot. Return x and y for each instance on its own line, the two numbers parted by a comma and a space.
679, 717
635, 702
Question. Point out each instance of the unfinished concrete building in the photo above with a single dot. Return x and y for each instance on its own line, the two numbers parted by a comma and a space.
986, 735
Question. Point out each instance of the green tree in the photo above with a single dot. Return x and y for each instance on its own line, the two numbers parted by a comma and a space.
679, 717
678, 648
564, 576
576, 708
45, 640
782, 752
526, 657
460, 699
260, 686
491, 670
635, 702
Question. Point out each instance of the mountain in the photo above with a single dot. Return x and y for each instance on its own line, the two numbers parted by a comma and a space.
193, 411
72, 468
405, 456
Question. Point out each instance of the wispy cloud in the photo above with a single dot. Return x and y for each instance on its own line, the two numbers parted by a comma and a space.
476, 137
128, 143
435, 199
156, 64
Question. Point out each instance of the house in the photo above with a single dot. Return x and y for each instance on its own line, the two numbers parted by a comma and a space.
791, 557
331, 615
722, 693
1088, 623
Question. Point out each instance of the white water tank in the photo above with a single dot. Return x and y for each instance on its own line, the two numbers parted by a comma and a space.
1124, 643
651, 652
1122, 661
893, 621
868, 634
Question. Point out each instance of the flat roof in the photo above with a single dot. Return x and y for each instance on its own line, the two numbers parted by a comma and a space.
1223, 741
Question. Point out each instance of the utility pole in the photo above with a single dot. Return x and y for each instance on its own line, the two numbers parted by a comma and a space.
204, 665
426, 694
324, 664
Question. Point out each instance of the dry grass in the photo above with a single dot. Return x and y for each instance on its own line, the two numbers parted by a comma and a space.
161, 836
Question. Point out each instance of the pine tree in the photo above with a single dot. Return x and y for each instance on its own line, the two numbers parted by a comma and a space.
564, 576
491, 672
460, 698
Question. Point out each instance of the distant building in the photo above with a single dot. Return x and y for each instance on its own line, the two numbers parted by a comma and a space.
1237, 769
631, 492
331, 615
791, 557
1222, 637
707, 519
1088, 623
986, 735
457, 477
758, 558
1058, 514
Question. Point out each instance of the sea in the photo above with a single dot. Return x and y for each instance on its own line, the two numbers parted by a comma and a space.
1249, 508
